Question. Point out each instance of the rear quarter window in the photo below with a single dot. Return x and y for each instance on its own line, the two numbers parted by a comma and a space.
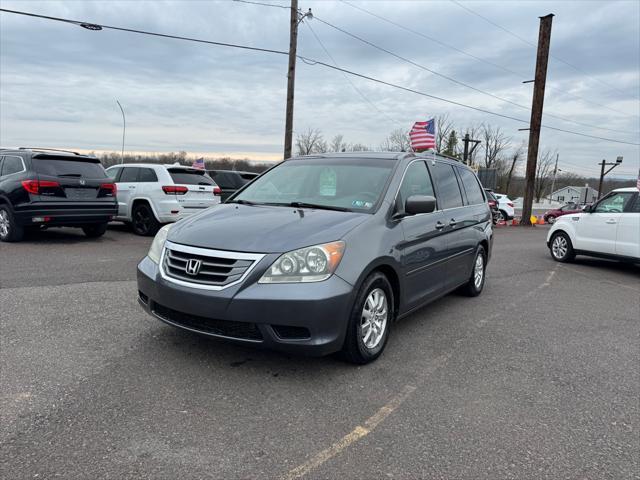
56, 167
471, 187
448, 190
11, 165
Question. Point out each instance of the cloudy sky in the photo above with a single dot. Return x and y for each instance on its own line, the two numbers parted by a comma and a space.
59, 82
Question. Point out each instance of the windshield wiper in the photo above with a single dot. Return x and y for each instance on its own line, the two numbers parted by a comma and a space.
317, 206
244, 202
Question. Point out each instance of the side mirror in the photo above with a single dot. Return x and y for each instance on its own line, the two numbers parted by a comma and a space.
419, 204
588, 208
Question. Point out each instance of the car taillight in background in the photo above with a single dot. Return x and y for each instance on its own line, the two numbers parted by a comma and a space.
37, 186
217, 191
491, 203
510, 204
109, 189
174, 190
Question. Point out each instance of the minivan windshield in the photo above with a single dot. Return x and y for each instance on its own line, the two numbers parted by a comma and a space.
332, 183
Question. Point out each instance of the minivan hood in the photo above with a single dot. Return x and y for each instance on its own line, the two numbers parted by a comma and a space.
263, 229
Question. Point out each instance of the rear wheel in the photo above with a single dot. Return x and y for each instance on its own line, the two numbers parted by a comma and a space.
561, 248
475, 284
502, 216
144, 221
370, 320
10, 231
551, 219
94, 231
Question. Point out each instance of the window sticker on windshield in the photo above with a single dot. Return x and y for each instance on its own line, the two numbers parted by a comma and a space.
361, 204
328, 183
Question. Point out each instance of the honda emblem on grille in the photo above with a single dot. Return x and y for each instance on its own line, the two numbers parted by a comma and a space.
82, 182
193, 266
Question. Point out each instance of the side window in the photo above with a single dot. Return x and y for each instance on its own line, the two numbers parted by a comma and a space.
416, 182
129, 174
615, 203
112, 173
449, 195
11, 165
147, 175
636, 206
1, 158
471, 187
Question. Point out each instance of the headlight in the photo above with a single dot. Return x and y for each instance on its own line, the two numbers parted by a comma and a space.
311, 264
158, 243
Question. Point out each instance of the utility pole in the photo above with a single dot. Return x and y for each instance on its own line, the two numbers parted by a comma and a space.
555, 174
291, 78
603, 173
124, 129
544, 39
467, 153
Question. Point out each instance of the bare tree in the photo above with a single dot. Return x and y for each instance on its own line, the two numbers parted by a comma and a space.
310, 142
544, 173
451, 146
358, 147
337, 144
513, 161
396, 141
495, 142
444, 126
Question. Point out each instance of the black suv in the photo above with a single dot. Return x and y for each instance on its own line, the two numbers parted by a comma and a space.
231, 181
41, 188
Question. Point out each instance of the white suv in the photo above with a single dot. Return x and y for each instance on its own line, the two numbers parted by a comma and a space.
505, 206
151, 194
609, 229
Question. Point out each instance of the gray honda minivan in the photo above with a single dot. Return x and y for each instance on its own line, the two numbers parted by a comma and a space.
323, 253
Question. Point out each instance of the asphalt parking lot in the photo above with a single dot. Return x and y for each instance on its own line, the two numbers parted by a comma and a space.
537, 378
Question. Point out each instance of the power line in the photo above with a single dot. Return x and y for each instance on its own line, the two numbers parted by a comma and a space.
516, 74
404, 59
263, 4
309, 61
473, 12
364, 97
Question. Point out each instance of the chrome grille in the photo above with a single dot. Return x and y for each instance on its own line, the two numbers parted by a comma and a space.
206, 268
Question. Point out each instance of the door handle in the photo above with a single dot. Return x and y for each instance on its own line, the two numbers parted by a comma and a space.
132, 187
611, 221
439, 225
453, 223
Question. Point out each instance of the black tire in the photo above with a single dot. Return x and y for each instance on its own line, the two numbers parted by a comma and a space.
355, 350
95, 231
143, 221
474, 285
561, 248
10, 231
502, 216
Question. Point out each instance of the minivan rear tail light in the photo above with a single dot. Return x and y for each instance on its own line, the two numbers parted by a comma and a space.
510, 204
217, 191
174, 190
109, 189
35, 186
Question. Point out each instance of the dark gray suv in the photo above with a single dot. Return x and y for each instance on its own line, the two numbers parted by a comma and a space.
322, 253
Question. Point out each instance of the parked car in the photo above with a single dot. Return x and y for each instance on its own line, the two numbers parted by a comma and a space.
610, 229
230, 181
43, 188
323, 253
150, 195
505, 207
550, 216
493, 205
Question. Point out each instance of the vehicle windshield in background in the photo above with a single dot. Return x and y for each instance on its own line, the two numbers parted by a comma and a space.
68, 167
352, 184
190, 177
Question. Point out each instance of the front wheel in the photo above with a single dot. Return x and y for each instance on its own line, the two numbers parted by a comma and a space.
370, 320
551, 220
95, 231
561, 248
475, 284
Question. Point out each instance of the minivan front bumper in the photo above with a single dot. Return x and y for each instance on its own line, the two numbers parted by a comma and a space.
307, 318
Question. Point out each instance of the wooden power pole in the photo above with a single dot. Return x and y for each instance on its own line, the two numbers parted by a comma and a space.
544, 39
291, 79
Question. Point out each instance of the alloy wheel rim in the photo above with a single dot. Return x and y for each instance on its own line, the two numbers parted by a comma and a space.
142, 220
551, 219
373, 320
4, 224
478, 272
559, 247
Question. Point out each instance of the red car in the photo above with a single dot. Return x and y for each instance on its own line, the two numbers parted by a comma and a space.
551, 215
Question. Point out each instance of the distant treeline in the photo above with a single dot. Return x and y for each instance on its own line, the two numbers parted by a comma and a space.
225, 163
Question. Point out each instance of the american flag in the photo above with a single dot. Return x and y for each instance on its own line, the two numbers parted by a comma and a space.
423, 135
199, 163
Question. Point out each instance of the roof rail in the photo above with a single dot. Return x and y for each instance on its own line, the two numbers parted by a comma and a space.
48, 150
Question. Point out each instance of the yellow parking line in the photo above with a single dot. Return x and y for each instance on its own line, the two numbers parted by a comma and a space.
352, 437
